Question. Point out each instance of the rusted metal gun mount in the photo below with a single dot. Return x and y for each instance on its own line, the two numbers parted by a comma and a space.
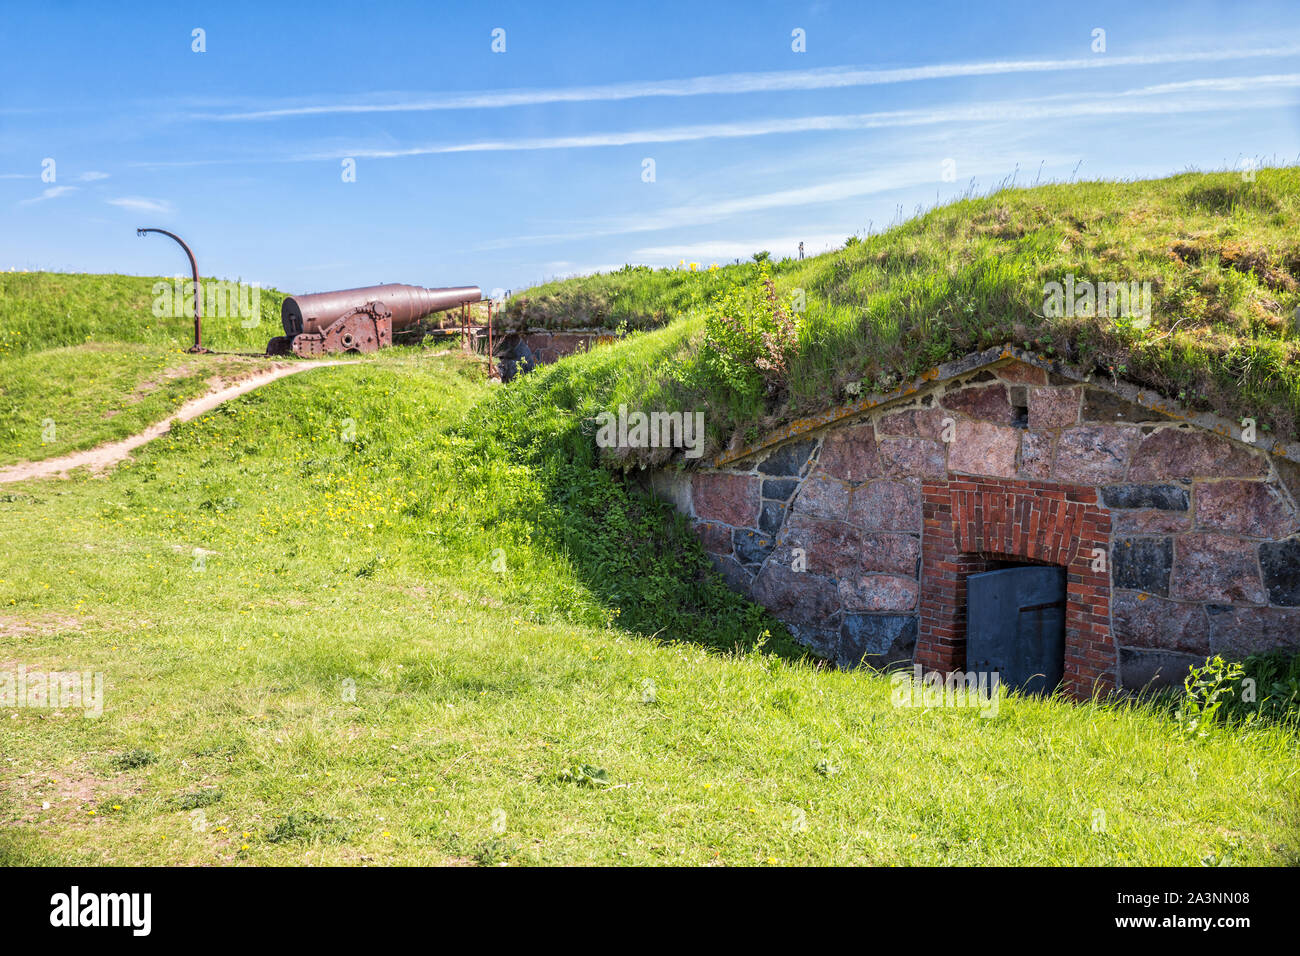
367, 328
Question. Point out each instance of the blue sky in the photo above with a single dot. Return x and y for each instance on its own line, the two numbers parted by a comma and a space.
504, 169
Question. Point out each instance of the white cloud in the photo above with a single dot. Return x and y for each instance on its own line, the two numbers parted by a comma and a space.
1140, 101
92, 176
141, 204
885, 179
739, 83
51, 192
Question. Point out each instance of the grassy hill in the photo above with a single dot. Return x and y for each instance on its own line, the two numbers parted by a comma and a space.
42, 310
84, 360
386, 613
389, 613
1221, 255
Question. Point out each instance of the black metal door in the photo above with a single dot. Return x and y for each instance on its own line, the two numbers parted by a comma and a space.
1015, 626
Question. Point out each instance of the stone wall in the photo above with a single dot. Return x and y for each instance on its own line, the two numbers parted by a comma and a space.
543, 347
826, 529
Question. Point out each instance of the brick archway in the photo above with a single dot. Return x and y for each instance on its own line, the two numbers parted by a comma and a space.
972, 522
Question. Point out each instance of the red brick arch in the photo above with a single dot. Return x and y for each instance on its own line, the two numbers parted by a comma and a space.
972, 522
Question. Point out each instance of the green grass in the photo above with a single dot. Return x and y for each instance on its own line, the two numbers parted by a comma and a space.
42, 310
1221, 255
514, 621
67, 399
86, 355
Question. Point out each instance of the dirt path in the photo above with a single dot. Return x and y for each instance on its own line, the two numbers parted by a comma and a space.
104, 456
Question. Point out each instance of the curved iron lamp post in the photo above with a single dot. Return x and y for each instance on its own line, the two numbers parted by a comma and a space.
198, 289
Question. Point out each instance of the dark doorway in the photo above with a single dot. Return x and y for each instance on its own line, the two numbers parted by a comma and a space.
1015, 626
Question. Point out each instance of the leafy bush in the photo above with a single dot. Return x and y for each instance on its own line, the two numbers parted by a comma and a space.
1277, 684
750, 338
1262, 687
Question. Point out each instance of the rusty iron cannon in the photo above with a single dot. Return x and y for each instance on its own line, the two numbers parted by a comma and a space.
359, 320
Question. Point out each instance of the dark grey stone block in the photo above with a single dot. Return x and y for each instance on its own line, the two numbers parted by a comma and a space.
737, 578
822, 641
1280, 562
779, 489
1142, 564
1163, 497
1142, 667
788, 459
752, 547
876, 639
771, 517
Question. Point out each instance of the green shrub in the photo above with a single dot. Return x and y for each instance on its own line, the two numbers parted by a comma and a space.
750, 338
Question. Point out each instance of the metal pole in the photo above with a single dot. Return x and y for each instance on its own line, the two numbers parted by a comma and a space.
489, 338
198, 289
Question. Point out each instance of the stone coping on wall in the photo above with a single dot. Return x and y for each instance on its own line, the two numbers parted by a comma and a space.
975, 361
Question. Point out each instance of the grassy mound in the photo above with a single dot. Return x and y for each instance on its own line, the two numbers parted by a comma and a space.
1220, 253
84, 360
387, 613
41, 310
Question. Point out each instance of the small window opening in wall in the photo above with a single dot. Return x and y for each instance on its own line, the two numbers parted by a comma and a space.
1015, 625
1020, 406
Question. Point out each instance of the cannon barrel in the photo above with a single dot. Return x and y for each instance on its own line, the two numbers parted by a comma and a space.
408, 303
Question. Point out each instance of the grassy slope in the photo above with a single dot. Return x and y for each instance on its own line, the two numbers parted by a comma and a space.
371, 560
86, 353
1221, 255
42, 310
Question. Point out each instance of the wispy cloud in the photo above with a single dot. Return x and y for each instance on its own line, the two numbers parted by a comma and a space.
1140, 101
739, 83
901, 176
91, 176
141, 204
51, 192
